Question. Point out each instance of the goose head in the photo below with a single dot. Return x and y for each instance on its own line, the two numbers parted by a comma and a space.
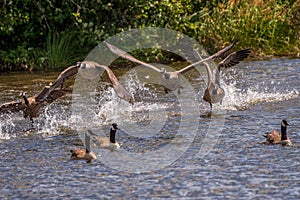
23, 95
115, 126
284, 123
87, 70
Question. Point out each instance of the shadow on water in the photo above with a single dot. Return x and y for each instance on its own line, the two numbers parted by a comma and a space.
34, 163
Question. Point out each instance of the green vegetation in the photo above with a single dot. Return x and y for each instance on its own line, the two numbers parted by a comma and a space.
54, 34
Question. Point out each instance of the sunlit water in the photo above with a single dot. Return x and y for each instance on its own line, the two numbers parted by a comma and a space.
230, 162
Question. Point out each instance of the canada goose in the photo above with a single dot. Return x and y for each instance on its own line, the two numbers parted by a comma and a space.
274, 137
214, 93
30, 106
90, 68
84, 153
31, 109
169, 80
105, 142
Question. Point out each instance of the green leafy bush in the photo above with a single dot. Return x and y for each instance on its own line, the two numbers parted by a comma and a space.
53, 34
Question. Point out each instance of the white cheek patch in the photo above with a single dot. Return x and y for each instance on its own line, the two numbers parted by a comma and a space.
282, 124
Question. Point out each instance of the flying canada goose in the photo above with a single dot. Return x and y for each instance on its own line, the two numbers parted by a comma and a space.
274, 137
169, 80
214, 93
84, 153
105, 142
89, 69
31, 106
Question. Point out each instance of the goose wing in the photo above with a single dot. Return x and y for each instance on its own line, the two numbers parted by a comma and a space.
273, 137
127, 56
212, 57
231, 60
195, 56
14, 106
234, 58
43, 95
119, 89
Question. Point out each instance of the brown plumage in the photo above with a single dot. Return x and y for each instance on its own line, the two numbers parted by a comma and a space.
214, 93
108, 142
169, 80
84, 153
274, 137
63, 76
31, 106
90, 69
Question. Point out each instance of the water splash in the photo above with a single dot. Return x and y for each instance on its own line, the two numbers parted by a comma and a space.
7, 127
242, 98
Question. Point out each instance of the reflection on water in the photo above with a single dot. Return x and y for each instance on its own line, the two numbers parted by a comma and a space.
34, 163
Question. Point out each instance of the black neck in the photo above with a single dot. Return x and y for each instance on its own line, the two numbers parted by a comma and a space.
26, 100
112, 136
283, 132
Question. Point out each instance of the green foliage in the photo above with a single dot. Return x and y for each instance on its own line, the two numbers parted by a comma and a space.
52, 34
61, 50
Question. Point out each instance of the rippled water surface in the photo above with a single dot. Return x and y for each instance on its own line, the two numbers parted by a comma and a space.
171, 146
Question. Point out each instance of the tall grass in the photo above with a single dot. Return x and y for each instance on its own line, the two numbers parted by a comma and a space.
61, 50
266, 26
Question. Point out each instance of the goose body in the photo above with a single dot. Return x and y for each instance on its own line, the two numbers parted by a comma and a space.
31, 106
214, 93
84, 153
169, 80
108, 142
274, 137
90, 70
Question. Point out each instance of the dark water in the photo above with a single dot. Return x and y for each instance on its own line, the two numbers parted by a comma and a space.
191, 155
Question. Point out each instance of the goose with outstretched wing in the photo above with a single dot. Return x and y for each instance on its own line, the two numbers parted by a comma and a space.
214, 93
169, 80
90, 68
31, 106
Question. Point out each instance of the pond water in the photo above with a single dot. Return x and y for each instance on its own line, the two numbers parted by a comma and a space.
171, 147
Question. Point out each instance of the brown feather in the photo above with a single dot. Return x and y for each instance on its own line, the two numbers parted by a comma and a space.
81, 154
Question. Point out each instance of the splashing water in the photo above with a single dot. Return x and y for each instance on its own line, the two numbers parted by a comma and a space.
240, 99
8, 127
106, 107
57, 117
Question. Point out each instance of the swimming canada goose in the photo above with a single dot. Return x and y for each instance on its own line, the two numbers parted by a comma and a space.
274, 137
90, 68
169, 80
84, 153
105, 142
214, 93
